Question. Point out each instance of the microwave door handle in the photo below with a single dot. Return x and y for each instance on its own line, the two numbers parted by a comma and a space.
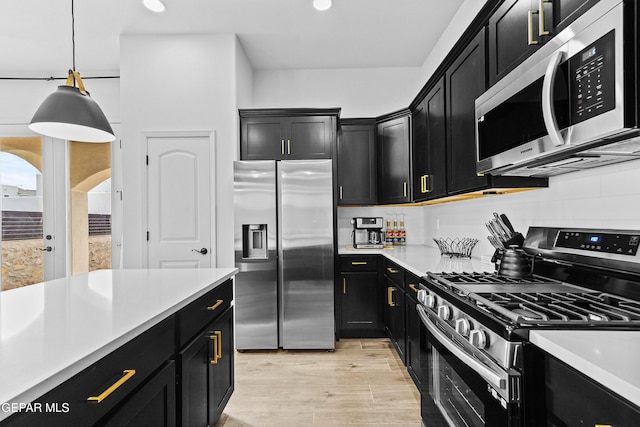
484, 371
548, 110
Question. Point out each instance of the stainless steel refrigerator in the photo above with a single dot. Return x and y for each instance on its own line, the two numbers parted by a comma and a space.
284, 249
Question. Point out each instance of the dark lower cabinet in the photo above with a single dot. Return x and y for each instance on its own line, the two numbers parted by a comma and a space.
205, 367
360, 311
395, 318
359, 298
153, 405
413, 330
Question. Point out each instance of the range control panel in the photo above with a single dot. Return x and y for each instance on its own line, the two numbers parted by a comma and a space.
593, 74
614, 243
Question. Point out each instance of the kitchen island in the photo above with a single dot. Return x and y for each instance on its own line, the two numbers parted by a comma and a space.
54, 331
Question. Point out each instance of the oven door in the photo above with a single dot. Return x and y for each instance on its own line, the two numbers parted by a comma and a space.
460, 387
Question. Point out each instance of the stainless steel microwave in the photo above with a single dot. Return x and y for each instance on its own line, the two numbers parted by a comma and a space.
571, 105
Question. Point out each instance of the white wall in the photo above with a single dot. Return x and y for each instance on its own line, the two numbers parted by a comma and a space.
367, 92
459, 23
359, 92
21, 99
173, 83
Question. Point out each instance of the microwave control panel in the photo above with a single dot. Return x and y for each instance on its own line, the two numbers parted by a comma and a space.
615, 243
592, 72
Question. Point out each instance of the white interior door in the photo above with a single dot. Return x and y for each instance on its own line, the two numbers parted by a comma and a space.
180, 215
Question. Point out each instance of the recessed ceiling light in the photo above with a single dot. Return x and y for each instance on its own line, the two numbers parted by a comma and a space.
322, 4
154, 5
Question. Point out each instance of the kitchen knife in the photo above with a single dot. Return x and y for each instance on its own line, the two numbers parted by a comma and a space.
506, 222
501, 226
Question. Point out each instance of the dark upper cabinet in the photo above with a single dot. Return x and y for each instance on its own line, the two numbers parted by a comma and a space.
287, 134
465, 81
394, 175
513, 36
357, 162
428, 145
519, 27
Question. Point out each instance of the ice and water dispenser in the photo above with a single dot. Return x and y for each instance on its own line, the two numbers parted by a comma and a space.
254, 241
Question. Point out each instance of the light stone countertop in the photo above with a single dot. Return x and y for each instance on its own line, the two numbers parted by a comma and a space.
419, 259
53, 330
610, 358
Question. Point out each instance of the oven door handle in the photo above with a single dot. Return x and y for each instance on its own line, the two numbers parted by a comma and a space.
495, 379
548, 110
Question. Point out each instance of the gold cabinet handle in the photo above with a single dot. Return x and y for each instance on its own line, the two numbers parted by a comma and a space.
344, 286
282, 147
531, 41
216, 305
541, 30
341, 192
359, 262
404, 187
413, 288
392, 270
390, 297
423, 184
288, 146
217, 347
126, 375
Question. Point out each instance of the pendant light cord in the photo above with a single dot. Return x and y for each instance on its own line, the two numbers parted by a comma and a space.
73, 36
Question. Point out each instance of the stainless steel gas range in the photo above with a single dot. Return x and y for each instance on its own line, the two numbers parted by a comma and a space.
477, 366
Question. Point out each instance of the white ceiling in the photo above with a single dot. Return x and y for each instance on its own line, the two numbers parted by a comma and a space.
35, 35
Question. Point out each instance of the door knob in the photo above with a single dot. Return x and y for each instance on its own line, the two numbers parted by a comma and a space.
47, 249
203, 251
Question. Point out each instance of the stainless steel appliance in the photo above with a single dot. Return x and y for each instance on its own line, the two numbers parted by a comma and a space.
367, 233
476, 363
572, 105
284, 249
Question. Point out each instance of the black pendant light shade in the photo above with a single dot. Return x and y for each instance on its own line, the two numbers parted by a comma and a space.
69, 114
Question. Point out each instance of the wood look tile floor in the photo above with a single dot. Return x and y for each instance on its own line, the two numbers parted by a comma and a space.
363, 383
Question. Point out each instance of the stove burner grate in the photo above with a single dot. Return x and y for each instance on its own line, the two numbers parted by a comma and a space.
559, 308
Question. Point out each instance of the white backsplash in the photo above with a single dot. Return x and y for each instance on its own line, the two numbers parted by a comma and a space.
604, 197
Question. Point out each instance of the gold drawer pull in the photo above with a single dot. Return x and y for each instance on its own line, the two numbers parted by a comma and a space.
216, 305
344, 286
390, 297
217, 347
127, 373
392, 270
359, 262
413, 288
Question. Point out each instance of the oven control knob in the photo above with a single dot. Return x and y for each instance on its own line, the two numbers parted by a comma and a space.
430, 300
478, 338
421, 295
463, 327
444, 312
